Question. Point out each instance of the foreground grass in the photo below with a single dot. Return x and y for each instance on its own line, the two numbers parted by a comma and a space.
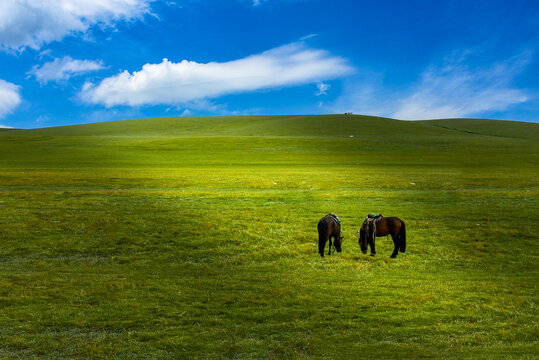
198, 239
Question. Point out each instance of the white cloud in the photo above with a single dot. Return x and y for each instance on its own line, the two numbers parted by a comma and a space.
63, 69
32, 23
9, 97
322, 88
187, 81
5, 127
453, 89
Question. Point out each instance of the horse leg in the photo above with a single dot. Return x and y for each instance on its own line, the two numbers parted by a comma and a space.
396, 244
330, 245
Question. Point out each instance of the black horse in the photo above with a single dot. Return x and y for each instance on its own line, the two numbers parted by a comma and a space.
329, 227
382, 226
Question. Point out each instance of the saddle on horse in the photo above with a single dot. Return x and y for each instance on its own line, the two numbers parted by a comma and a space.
373, 217
336, 218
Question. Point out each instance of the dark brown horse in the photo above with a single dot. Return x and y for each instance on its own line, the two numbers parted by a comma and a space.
383, 226
329, 227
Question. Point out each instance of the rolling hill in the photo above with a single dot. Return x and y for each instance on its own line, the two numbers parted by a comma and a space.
196, 238
322, 125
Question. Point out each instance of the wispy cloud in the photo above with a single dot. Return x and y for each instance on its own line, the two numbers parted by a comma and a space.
187, 81
307, 37
9, 97
63, 69
452, 89
458, 90
31, 24
322, 88
256, 3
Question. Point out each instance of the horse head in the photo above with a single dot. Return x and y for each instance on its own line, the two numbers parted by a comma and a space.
362, 240
365, 233
338, 243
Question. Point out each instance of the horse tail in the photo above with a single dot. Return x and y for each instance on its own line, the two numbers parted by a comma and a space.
402, 237
322, 236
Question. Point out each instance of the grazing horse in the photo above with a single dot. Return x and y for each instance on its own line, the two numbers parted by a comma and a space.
329, 227
382, 226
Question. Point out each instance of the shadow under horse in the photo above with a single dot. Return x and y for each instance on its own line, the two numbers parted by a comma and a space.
329, 227
383, 226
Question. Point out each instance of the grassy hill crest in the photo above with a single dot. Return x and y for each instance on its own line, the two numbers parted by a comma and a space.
293, 125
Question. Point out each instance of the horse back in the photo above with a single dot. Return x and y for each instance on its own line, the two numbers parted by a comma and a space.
329, 225
389, 225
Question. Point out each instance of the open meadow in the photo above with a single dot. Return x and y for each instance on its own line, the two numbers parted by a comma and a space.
196, 238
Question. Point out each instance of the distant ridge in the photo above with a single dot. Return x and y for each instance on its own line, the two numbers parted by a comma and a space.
290, 125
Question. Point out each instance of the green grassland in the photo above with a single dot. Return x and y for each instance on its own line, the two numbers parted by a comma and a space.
196, 238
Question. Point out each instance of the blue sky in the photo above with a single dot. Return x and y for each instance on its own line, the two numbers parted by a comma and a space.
79, 61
